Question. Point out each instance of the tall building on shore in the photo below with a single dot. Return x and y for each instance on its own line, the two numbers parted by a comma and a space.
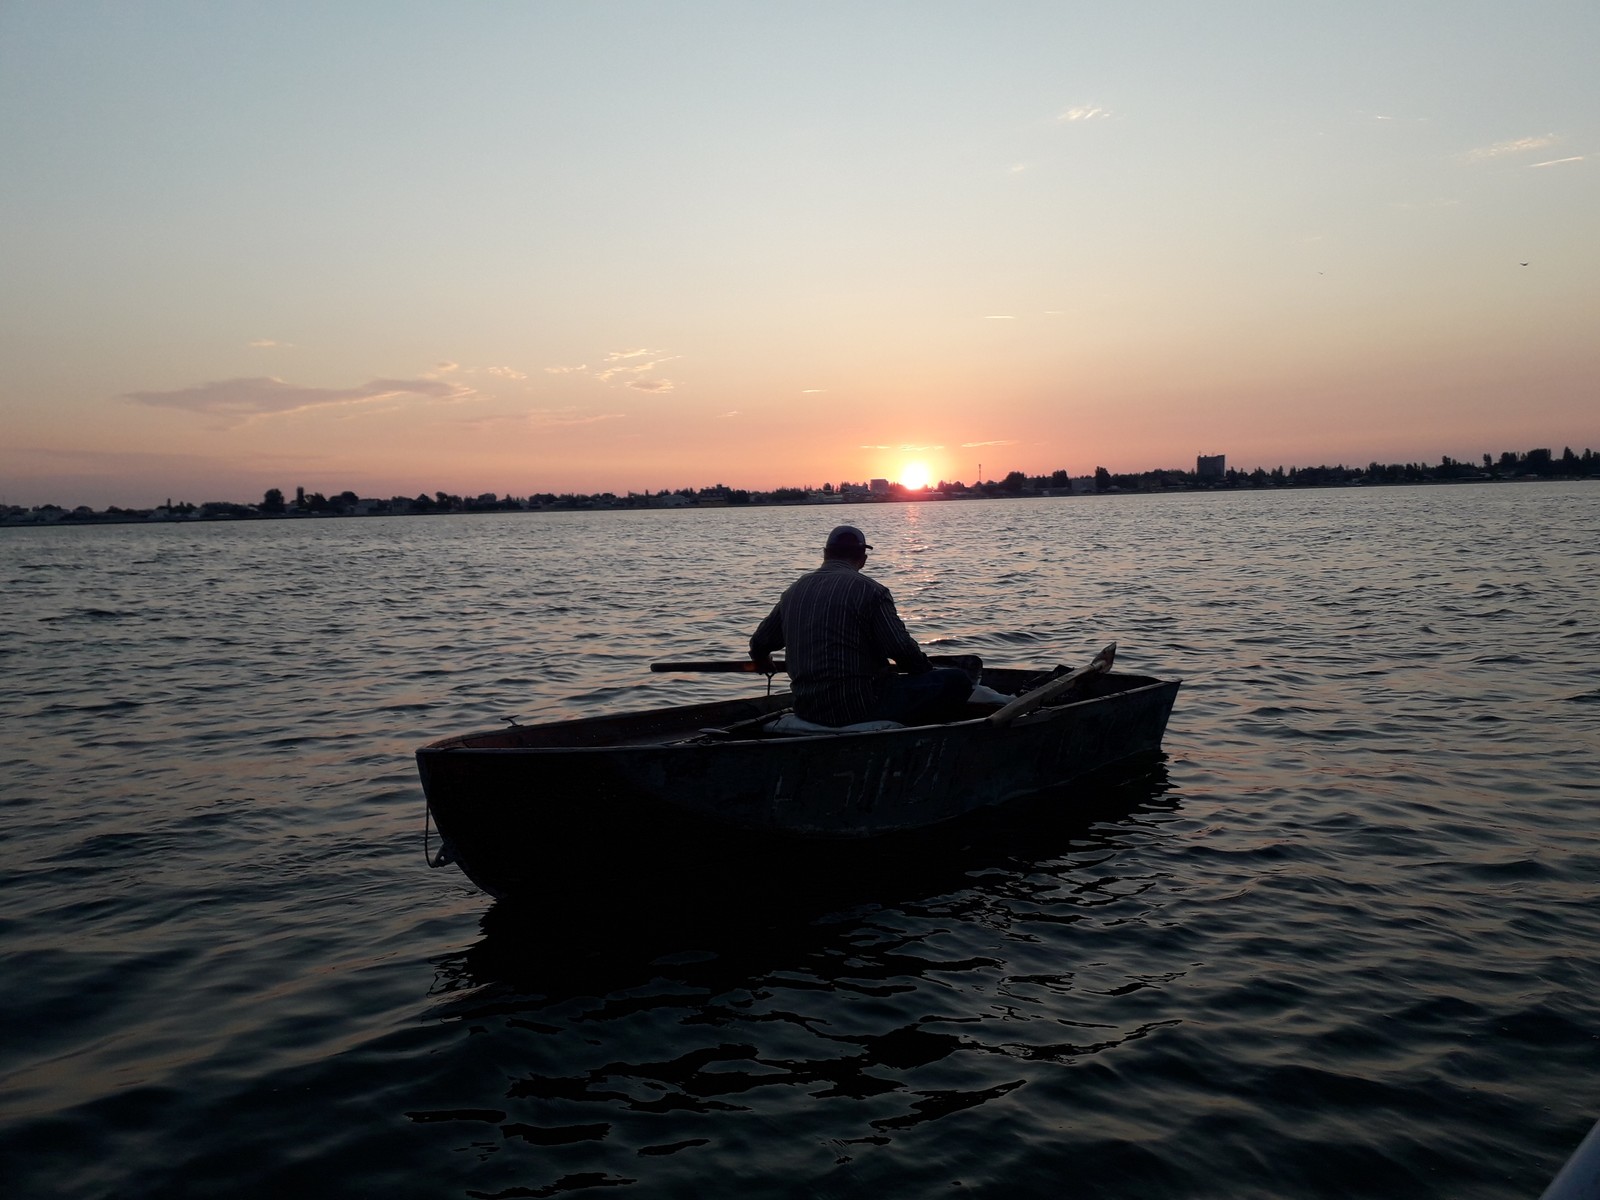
1211, 466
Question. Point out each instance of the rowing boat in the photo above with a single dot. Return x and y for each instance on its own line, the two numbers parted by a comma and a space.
527, 808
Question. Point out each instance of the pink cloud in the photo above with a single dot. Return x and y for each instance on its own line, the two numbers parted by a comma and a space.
265, 396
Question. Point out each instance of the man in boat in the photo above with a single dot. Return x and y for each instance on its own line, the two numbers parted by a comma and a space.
840, 629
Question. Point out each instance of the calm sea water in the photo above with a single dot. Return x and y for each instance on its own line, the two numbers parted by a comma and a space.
1341, 943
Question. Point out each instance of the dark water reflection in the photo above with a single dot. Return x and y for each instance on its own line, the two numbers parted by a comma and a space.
890, 993
1340, 943
1035, 845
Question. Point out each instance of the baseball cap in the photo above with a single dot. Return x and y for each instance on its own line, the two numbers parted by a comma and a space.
847, 537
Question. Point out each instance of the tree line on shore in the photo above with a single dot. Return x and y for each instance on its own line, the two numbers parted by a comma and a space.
1529, 464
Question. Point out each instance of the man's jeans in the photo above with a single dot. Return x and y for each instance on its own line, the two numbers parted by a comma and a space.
933, 696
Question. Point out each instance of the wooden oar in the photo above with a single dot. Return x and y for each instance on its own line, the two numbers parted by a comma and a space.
774, 667
1029, 701
970, 663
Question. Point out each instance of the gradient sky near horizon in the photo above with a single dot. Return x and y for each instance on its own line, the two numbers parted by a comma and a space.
409, 247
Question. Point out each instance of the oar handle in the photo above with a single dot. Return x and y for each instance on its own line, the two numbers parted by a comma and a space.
747, 667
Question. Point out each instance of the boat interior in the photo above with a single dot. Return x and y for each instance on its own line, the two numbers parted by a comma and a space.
747, 719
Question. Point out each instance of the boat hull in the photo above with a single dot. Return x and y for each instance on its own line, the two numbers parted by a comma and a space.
522, 809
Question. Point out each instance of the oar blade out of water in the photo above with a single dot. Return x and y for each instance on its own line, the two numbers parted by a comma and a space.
1058, 686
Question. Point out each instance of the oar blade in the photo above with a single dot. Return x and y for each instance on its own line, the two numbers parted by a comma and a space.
1058, 686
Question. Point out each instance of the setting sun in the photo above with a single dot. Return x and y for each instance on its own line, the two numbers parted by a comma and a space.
914, 475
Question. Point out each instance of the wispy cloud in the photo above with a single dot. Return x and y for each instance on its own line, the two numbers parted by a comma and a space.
1517, 146
611, 373
906, 448
449, 367
1556, 162
730, 413
1000, 317
1085, 112
812, 391
542, 418
550, 419
269, 344
264, 396
626, 367
997, 442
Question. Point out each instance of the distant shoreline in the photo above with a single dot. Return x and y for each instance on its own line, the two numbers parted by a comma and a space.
54, 516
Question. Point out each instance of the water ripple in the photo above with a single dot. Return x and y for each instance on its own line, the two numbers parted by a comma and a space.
1335, 945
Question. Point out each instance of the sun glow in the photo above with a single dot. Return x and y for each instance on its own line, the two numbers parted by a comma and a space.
914, 475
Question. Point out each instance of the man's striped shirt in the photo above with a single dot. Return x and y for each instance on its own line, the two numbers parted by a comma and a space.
839, 628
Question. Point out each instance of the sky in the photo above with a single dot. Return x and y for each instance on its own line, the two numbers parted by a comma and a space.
408, 247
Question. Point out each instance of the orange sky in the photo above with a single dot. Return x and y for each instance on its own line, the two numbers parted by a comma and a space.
522, 250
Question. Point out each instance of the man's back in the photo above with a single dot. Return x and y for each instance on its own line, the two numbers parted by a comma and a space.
839, 629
